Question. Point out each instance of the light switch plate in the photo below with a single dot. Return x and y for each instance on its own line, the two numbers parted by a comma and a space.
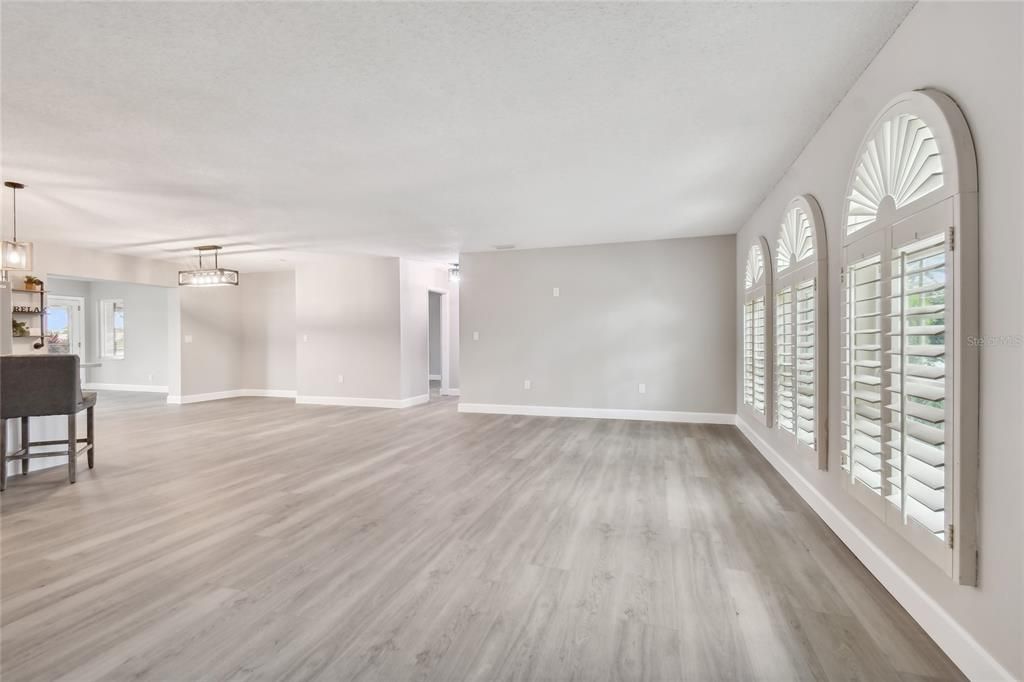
341, 378
476, 336
526, 384
188, 338
642, 388
555, 292
305, 337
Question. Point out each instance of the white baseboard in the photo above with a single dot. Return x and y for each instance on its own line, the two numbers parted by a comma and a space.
345, 401
601, 413
267, 393
139, 388
434, 377
223, 395
450, 391
959, 645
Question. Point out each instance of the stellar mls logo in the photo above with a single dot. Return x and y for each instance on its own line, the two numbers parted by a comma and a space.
1011, 340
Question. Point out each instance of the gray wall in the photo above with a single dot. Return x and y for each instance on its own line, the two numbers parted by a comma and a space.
348, 323
211, 361
146, 361
659, 313
971, 51
268, 329
434, 333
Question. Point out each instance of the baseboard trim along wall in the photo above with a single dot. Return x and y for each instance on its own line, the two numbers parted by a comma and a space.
601, 413
139, 388
343, 401
223, 395
958, 644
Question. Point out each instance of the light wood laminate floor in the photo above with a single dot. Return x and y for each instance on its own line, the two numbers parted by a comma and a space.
258, 539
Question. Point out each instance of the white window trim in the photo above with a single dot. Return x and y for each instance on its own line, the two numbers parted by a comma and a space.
105, 352
761, 287
953, 207
814, 268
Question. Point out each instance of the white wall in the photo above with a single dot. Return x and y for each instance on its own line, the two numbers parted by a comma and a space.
268, 331
348, 323
434, 333
971, 51
658, 313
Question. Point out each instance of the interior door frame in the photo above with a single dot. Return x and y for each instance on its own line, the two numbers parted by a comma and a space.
445, 338
76, 322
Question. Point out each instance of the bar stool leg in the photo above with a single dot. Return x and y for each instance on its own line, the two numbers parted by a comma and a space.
25, 440
89, 436
72, 446
3, 454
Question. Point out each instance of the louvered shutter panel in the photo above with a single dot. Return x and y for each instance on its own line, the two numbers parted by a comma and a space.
748, 353
759, 358
918, 383
805, 359
785, 374
862, 372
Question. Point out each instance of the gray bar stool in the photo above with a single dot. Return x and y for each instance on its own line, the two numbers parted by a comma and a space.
40, 386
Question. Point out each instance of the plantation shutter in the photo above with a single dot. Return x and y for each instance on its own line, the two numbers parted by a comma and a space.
785, 366
748, 353
918, 383
862, 372
805, 359
759, 342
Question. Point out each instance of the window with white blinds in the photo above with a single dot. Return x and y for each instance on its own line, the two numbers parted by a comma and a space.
785, 364
760, 351
800, 378
748, 353
806, 359
756, 329
862, 354
909, 294
916, 384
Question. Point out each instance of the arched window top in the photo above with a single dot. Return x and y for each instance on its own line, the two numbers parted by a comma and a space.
796, 239
913, 156
755, 267
801, 234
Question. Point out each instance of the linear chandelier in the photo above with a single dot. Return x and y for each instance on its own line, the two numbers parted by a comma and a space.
15, 255
207, 276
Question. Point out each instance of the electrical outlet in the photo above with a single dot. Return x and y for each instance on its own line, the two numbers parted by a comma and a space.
526, 385
555, 292
476, 336
642, 388
341, 378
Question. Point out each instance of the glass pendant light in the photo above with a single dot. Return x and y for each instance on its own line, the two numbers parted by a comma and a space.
207, 276
15, 255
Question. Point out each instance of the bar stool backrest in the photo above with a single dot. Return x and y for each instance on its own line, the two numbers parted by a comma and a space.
39, 385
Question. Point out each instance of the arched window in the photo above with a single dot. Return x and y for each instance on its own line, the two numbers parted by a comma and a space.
910, 301
801, 367
756, 331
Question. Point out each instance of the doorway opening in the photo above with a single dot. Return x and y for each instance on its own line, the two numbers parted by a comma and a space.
437, 342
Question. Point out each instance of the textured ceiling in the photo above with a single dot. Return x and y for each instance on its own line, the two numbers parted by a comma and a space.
412, 129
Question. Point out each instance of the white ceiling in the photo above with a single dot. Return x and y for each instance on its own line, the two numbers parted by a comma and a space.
412, 129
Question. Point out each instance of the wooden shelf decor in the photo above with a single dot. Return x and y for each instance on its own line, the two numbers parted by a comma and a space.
34, 310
